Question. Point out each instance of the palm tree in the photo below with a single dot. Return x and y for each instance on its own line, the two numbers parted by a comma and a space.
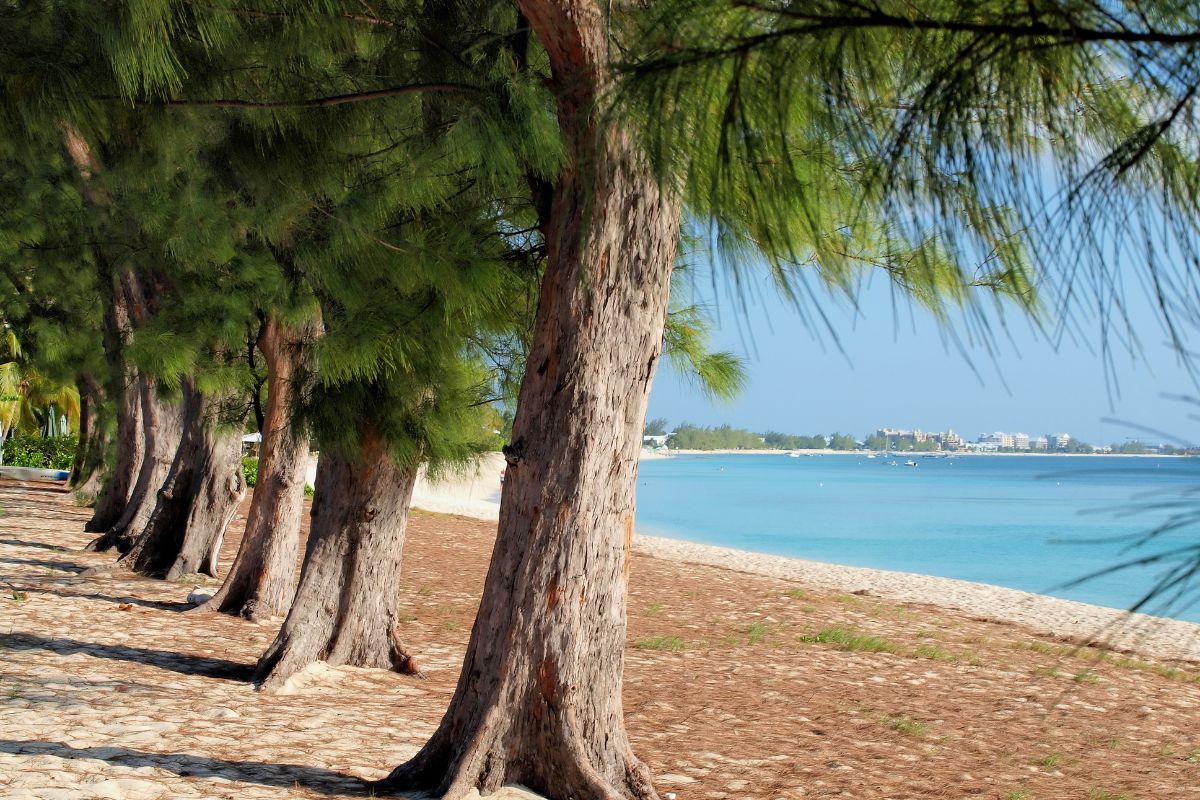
29, 400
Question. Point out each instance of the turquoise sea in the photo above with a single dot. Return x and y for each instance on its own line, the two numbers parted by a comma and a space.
1032, 523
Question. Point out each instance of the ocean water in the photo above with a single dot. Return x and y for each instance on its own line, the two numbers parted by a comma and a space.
1032, 523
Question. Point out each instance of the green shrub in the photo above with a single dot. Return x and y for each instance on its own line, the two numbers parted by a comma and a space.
250, 469
309, 491
57, 452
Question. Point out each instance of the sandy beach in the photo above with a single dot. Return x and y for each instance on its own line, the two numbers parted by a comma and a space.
476, 494
738, 684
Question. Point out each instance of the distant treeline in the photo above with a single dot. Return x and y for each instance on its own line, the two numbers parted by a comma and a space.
726, 437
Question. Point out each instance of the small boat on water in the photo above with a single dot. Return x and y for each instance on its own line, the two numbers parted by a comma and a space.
910, 463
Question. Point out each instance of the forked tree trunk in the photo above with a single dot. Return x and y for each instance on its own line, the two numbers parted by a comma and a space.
346, 606
198, 497
87, 468
161, 431
262, 579
539, 701
123, 389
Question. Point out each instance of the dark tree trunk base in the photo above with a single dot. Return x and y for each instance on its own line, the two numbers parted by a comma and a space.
488, 766
198, 498
162, 428
346, 607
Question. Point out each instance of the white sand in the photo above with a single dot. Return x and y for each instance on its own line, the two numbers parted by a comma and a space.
476, 494
473, 493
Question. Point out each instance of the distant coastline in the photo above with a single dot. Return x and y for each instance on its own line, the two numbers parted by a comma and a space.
905, 453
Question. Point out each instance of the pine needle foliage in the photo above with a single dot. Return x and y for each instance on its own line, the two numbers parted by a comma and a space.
953, 145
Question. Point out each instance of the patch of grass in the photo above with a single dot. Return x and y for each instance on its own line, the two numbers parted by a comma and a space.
903, 723
452, 625
1019, 794
670, 644
1170, 673
655, 609
425, 591
850, 639
20, 597
407, 618
1166, 749
1097, 793
189, 580
1193, 757
1084, 676
1046, 762
933, 652
1048, 672
1045, 648
14, 692
757, 632
796, 594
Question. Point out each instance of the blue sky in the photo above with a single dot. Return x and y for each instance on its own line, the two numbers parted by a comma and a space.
897, 368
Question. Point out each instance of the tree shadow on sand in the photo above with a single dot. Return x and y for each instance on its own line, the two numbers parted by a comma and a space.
203, 666
37, 545
186, 765
65, 566
158, 605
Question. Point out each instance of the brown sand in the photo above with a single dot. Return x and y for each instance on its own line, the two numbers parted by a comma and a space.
107, 690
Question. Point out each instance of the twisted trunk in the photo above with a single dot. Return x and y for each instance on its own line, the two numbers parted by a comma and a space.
87, 468
161, 432
261, 581
123, 389
538, 701
347, 604
198, 498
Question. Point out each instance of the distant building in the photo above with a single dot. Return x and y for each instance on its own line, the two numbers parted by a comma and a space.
655, 442
1058, 441
949, 440
1038, 443
1020, 441
997, 440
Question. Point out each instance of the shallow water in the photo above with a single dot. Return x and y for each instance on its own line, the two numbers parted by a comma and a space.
1028, 523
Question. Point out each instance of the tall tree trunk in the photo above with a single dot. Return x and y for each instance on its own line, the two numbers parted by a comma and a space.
346, 606
198, 497
161, 431
87, 468
539, 701
261, 581
123, 390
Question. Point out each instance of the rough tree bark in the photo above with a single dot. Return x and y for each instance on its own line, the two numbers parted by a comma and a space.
161, 426
346, 606
539, 701
130, 446
117, 328
261, 580
198, 497
161, 430
124, 387
87, 469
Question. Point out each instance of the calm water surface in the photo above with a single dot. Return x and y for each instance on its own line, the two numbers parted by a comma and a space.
1023, 522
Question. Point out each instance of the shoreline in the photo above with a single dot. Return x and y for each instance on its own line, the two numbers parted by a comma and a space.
906, 454
1080, 623
471, 495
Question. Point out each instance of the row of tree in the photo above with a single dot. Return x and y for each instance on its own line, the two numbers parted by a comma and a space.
363, 226
686, 436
